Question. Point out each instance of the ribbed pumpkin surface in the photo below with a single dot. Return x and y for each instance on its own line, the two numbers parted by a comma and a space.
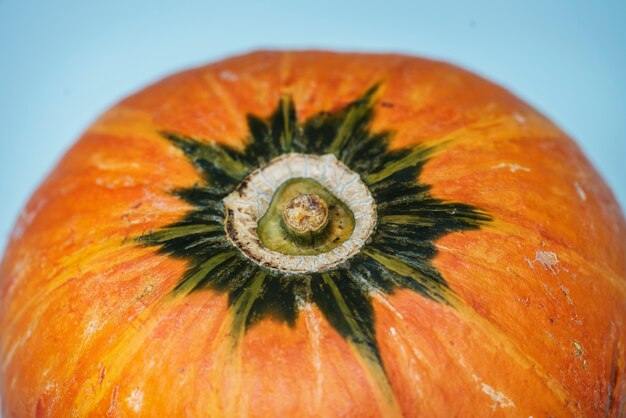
493, 284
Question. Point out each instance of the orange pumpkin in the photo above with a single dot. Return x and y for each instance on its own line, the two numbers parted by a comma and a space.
317, 234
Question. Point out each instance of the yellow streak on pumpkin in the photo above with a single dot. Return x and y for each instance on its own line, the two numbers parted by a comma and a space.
227, 361
415, 156
405, 270
95, 257
132, 339
116, 360
205, 268
374, 372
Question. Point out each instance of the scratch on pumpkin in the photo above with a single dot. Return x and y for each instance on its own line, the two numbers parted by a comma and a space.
382, 299
565, 291
411, 357
113, 403
499, 399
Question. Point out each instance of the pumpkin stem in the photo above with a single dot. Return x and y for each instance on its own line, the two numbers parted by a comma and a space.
305, 218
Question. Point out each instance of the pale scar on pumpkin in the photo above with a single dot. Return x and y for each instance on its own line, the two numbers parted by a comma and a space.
547, 259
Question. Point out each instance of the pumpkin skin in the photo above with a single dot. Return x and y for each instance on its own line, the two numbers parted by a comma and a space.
537, 326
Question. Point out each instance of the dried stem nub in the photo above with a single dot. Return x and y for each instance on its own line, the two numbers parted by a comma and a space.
305, 218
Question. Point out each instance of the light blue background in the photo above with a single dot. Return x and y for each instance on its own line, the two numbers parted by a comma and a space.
64, 62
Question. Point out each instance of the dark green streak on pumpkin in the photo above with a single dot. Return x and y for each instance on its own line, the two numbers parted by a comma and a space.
347, 309
242, 303
278, 299
398, 256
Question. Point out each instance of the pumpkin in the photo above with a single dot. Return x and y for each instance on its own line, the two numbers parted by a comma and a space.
317, 234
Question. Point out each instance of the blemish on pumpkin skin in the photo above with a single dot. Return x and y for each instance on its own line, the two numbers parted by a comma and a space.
116, 183
27, 217
579, 190
578, 352
109, 164
519, 118
550, 293
113, 403
578, 349
147, 291
500, 399
547, 259
441, 247
228, 76
512, 167
525, 301
565, 291
135, 400
103, 372
91, 327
